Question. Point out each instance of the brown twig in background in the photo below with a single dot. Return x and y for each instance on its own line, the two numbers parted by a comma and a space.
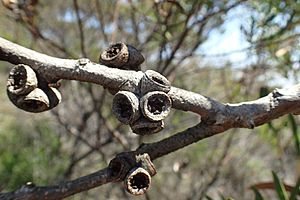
101, 21
115, 21
80, 27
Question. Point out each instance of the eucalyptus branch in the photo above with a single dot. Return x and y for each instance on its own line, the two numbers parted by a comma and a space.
216, 117
54, 69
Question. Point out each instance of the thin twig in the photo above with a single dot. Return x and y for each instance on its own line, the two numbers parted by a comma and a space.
80, 27
101, 20
115, 21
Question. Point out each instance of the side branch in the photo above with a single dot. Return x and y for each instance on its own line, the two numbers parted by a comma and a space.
65, 189
244, 115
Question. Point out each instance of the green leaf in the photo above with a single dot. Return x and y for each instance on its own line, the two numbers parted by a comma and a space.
258, 195
295, 191
282, 194
295, 132
208, 197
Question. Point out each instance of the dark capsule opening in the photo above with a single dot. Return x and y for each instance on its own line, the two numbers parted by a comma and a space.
139, 181
124, 108
159, 81
33, 106
157, 78
19, 78
156, 105
113, 50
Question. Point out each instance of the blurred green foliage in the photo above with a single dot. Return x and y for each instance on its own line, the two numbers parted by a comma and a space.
28, 154
280, 190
